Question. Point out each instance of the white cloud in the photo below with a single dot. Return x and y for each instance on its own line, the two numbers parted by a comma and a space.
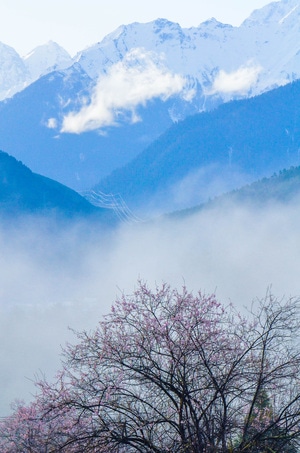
52, 123
236, 82
140, 77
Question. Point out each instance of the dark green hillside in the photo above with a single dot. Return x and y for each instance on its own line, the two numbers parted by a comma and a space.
22, 191
283, 187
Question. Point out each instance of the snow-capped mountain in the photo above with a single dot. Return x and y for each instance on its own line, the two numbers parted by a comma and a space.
17, 73
225, 61
47, 58
13, 74
219, 60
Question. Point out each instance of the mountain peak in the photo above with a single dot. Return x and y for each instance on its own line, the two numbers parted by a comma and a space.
273, 13
12, 69
162, 23
213, 22
46, 58
112, 35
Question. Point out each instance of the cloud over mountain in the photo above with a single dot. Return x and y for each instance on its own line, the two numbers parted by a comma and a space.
134, 81
236, 82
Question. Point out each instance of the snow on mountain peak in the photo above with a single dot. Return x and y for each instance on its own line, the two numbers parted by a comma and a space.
161, 24
13, 74
206, 54
113, 35
214, 23
288, 14
222, 61
273, 13
46, 58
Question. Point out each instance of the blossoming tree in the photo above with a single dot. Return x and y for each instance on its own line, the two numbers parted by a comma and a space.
169, 371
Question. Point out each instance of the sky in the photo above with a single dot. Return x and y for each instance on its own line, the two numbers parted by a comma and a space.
76, 24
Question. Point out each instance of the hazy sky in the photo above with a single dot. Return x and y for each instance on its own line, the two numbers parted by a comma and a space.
75, 24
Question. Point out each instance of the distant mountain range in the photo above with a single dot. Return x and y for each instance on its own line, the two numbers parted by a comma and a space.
219, 60
268, 39
17, 73
200, 68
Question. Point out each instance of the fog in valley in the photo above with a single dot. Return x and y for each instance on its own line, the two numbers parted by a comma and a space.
52, 279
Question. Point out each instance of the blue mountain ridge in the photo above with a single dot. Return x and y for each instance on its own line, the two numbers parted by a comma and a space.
23, 192
215, 151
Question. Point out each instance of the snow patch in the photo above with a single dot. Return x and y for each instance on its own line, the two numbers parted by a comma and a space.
287, 15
